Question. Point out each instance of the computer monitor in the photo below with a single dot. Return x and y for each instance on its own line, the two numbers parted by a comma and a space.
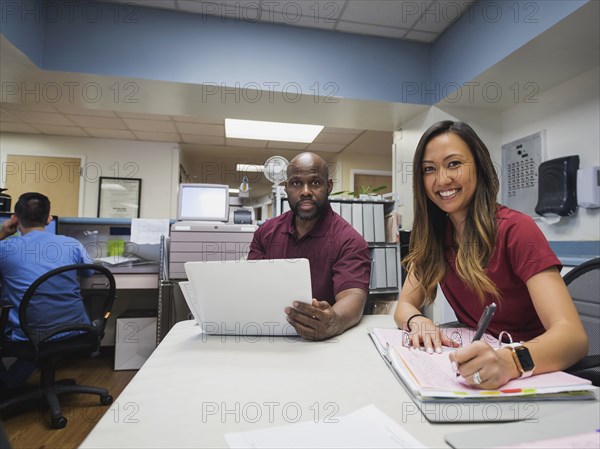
52, 227
203, 202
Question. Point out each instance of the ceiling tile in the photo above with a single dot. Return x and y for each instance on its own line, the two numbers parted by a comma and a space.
166, 4
38, 107
83, 111
354, 132
287, 145
373, 30
111, 133
326, 147
158, 126
61, 130
199, 128
160, 137
97, 122
247, 143
203, 140
42, 118
301, 21
342, 139
143, 115
432, 26
398, 13
371, 142
421, 36
197, 7
194, 119
11, 127
440, 15
234, 9
319, 11
6, 116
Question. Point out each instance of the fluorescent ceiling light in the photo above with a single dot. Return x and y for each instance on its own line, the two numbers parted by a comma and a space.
250, 168
283, 132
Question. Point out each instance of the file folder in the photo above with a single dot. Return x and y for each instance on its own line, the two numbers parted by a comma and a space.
378, 221
336, 207
391, 263
357, 217
368, 222
347, 212
379, 267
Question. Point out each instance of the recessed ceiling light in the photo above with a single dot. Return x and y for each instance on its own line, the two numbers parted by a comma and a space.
282, 132
250, 168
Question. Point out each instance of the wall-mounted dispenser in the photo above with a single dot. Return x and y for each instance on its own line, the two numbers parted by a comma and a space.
588, 187
557, 189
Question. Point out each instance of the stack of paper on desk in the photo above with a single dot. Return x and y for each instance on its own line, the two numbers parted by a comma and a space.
430, 376
117, 260
366, 427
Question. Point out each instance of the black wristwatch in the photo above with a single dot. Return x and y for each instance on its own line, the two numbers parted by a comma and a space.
522, 359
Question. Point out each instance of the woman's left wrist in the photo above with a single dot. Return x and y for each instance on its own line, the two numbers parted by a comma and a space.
509, 362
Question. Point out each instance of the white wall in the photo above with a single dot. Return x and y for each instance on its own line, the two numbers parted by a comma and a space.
341, 167
157, 163
570, 114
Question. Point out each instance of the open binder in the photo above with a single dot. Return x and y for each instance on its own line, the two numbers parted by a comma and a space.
429, 377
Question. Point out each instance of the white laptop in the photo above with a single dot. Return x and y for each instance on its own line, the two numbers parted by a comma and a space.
246, 297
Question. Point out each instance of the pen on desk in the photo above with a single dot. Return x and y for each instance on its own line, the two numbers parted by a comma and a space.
483, 324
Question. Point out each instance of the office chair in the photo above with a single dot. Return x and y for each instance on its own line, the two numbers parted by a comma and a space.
583, 283
45, 351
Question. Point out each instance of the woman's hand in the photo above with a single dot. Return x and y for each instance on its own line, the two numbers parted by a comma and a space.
483, 367
424, 332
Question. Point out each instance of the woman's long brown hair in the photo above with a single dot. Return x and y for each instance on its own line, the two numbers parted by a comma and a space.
426, 259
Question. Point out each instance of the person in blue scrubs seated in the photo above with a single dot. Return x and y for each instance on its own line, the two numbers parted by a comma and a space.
25, 258
481, 252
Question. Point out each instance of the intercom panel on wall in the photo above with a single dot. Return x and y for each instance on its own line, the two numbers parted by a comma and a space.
520, 162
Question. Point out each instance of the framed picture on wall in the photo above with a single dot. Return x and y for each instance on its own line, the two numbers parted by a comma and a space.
119, 197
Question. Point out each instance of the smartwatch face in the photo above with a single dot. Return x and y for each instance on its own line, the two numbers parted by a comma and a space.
524, 358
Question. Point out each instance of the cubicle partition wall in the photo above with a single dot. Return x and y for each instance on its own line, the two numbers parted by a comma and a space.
137, 281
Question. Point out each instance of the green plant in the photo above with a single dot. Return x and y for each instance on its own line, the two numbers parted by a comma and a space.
363, 190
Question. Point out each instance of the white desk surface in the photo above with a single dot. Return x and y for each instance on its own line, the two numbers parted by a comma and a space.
195, 388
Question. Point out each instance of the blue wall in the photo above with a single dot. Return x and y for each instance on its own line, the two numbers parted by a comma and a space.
490, 31
22, 22
130, 41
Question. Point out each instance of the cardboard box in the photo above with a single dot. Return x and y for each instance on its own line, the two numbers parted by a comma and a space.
135, 338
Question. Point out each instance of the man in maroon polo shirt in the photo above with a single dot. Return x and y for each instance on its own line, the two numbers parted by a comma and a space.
340, 265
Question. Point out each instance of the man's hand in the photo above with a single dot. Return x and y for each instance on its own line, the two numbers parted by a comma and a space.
9, 227
316, 321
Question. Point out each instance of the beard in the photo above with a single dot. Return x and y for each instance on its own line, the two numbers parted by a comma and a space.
315, 213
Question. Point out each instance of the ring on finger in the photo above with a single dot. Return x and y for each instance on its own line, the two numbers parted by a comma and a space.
476, 378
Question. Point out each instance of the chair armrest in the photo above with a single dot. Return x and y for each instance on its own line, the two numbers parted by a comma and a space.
4, 318
589, 361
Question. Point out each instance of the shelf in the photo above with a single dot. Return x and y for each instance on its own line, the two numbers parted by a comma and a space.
98, 221
94, 221
383, 291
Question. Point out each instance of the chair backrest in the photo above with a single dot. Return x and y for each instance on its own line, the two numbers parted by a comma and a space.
53, 298
583, 283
